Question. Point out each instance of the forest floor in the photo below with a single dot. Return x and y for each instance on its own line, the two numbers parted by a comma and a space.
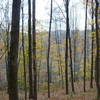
59, 94
89, 95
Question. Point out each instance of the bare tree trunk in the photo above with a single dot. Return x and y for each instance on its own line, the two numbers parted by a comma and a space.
24, 60
34, 52
92, 52
66, 51
48, 52
13, 55
30, 50
85, 47
97, 67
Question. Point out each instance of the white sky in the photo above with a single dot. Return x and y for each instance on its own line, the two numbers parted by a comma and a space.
43, 10
44, 5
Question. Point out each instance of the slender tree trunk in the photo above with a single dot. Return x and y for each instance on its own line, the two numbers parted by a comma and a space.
34, 52
13, 54
66, 51
48, 52
85, 48
97, 67
92, 53
24, 60
30, 50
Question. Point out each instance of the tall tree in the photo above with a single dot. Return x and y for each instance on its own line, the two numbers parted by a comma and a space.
34, 52
23, 49
97, 67
30, 50
48, 52
85, 31
13, 54
92, 52
66, 51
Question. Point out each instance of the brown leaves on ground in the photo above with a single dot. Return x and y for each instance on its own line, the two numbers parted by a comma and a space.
91, 95
60, 94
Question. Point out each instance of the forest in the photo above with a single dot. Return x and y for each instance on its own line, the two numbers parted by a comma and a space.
49, 50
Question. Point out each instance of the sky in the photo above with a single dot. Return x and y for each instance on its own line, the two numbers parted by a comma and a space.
43, 6
43, 10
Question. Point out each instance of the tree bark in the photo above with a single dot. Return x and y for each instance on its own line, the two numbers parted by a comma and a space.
97, 67
34, 53
66, 50
13, 54
24, 60
84, 83
92, 52
48, 52
30, 50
